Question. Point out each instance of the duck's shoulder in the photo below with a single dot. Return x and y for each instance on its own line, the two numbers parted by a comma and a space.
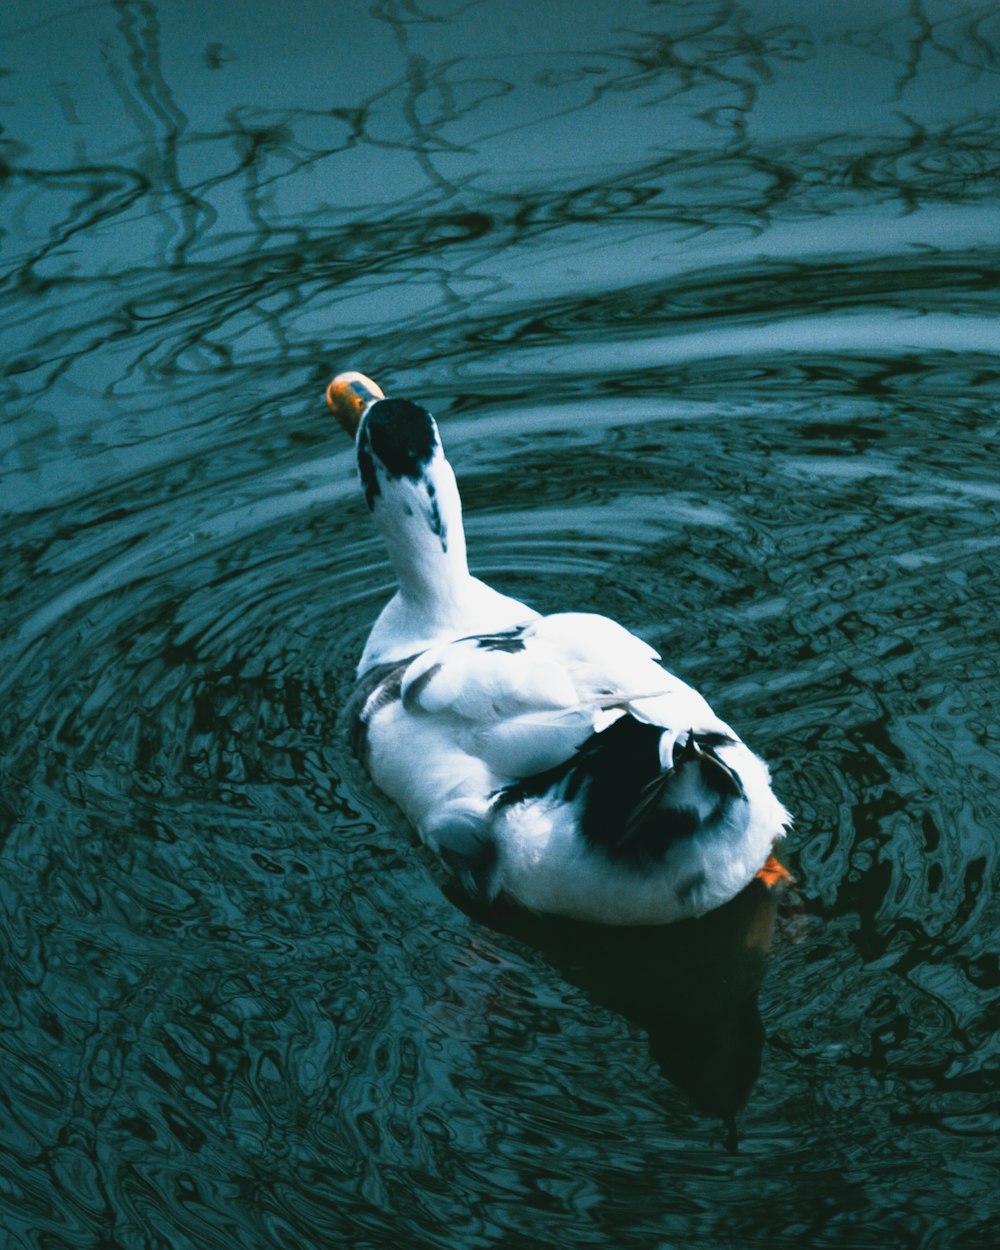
405, 629
550, 662
488, 677
520, 699
581, 633
608, 659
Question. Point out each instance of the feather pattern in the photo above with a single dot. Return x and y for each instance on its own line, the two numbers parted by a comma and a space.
550, 758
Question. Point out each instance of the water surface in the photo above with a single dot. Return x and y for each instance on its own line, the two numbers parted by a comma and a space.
705, 298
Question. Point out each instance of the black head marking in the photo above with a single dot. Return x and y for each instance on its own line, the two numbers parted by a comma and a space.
401, 435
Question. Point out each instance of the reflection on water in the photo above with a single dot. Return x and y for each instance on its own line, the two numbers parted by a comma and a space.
705, 296
692, 987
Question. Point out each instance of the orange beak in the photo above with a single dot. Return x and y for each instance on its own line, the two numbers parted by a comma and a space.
348, 395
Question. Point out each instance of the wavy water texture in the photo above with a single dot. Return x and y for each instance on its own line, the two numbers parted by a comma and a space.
705, 296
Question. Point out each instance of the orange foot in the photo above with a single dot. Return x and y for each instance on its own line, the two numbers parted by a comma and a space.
774, 874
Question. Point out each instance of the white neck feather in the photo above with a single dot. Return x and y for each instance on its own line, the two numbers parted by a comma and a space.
421, 522
419, 514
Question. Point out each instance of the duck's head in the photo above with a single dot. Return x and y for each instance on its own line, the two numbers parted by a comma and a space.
396, 440
397, 443
408, 484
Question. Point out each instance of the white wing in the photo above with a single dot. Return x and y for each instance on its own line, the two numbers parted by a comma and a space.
526, 702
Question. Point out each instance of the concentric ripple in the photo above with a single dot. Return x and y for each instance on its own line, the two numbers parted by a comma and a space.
704, 297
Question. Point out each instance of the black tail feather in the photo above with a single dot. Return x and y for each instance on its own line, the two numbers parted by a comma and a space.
633, 809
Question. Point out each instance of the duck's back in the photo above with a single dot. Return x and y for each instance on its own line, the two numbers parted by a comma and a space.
548, 761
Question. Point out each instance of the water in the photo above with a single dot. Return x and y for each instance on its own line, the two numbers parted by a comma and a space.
705, 297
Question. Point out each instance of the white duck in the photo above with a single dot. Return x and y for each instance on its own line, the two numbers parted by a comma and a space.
550, 759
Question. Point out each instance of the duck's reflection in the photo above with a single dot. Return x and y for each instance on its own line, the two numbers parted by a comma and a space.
691, 986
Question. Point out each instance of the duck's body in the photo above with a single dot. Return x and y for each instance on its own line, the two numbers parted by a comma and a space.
550, 759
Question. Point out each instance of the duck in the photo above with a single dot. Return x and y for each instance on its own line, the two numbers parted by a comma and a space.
550, 761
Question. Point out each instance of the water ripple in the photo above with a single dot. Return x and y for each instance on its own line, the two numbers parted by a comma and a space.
704, 297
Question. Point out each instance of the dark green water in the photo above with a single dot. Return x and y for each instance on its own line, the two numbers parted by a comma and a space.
706, 298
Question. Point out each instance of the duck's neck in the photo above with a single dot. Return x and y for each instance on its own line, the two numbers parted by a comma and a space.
421, 522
